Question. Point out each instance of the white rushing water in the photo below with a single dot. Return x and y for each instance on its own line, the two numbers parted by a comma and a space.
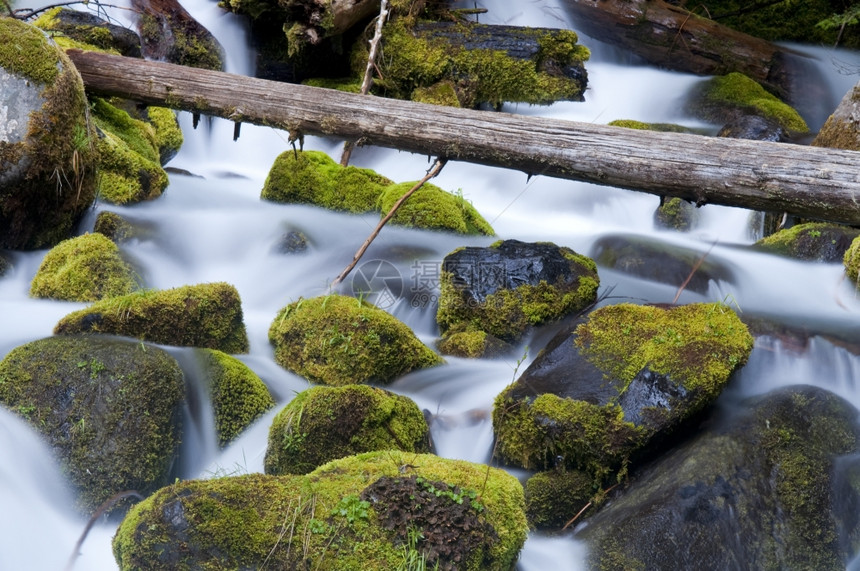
216, 228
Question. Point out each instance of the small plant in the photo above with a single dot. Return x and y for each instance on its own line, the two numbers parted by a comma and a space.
413, 559
352, 508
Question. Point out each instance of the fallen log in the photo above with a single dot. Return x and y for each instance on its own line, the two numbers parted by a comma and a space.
675, 38
811, 182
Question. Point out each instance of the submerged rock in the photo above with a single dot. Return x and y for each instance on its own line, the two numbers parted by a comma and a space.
109, 409
239, 396
338, 340
814, 241
757, 491
204, 315
115, 227
47, 155
616, 384
371, 511
555, 497
86, 268
510, 286
659, 261
326, 423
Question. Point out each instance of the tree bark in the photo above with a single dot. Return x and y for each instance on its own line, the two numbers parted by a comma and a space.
675, 38
810, 182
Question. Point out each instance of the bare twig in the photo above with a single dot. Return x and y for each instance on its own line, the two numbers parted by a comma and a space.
695, 268
105, 506
585, 507
367, 81
434, 170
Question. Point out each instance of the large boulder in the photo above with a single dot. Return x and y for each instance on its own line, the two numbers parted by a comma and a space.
337, 340
239, 396
372, 511
510, 286
110, 410
47, 170
769, 487
842, 128
204, 315
617, 384
326, 423
86, 268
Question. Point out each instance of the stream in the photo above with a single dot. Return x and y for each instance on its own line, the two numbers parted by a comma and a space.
213, 227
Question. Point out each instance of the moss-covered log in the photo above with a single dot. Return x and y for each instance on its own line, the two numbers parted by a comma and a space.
806, 181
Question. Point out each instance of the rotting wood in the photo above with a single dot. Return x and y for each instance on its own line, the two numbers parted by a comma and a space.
811, 182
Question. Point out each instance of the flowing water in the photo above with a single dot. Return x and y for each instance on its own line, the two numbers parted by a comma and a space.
214, 227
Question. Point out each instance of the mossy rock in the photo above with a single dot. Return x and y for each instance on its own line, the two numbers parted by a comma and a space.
312, 177
168, 134
204, 315
772, 484
815, 241
510, 286
659, 127
842, 128
436, 59
726, 97
84, 30
473, 344
239, 396
326, 423
676, 214
555, 497
129, 156
618, 383
86, 268
47, 155
354, 513
115, 227
110, 410
432, 208
851, 261
337, 340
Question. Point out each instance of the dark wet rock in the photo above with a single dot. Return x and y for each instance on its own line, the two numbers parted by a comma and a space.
47, 156
510, 286
293, 242
114, 226
814, 241
754, 127
110, 409
617, 385
87, 28
361, 512
171, 34
659, 261
842, 128
763, 489
326, 423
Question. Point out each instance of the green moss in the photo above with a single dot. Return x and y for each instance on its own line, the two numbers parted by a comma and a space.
125, 176
441, 93
139, 136
697, 345
811, 241
113, 226
660, 127
325, 423
346, 84
86, 268
23, 52
472, 344
239, 396
338, 340
676, 213
539, 434
168, 135
86, 37
318, 520
312, 177
205, 315
414, 61
554, 498
851, 261
109, 409
432, 208
736, 90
